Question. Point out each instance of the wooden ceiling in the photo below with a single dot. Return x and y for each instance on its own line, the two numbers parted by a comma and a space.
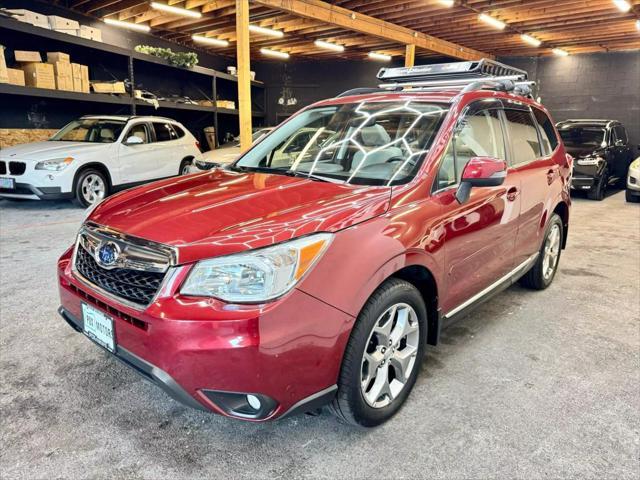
577, 26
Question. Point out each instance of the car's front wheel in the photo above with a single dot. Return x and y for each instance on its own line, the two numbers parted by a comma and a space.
599, 191
383, 356
91, 186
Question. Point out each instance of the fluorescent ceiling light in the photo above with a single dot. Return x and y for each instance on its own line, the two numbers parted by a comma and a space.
531, 40
274, 53
329, 46
266, 31
447, 3
131, 26
380, 56
175, 10
209, 41
623, 5
494, 22
560, 52
638, 24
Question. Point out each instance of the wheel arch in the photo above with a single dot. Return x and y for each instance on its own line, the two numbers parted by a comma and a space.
101, 167
562, 210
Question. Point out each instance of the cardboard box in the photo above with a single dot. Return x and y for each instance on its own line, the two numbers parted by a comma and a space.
84, 79
53, 57
27, 16
39, 75
68, 32
108, 87
90, 33
62, 69
16, 77
226, 104
4, 75
64, 83
24, 56
62, 23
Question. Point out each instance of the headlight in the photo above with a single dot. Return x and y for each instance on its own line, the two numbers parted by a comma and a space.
590, 160
259, 275
55, 164
202, 165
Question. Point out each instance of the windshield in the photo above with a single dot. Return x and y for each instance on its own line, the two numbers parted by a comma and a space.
582, 136
91, 131
376, 143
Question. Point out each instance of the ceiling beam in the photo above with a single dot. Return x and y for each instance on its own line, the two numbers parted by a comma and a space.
333, 15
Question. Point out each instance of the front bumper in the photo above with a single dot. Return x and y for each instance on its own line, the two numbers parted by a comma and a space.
31, 192
633, 181
198, 350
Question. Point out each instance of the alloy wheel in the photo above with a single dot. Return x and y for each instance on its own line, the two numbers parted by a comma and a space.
93, 188
185, 169
390, 355
551, 252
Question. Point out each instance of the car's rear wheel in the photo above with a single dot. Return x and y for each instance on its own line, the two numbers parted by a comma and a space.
383, 356
544, 270
600, 190
184, 167
91, 186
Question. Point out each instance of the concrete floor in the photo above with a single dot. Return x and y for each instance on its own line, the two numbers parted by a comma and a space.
533, 385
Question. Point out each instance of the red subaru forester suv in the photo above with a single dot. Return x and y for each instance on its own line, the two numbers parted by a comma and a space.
315, 270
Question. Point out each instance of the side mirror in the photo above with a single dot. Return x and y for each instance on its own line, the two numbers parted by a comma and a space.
619, 143
481, 172
133, 140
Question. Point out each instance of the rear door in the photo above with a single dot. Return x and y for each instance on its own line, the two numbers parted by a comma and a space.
138, 160
479, 234
532, 160
622, 153
170, 151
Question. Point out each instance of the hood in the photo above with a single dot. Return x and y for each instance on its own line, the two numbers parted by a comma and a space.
48, 150
581, 151
221, 212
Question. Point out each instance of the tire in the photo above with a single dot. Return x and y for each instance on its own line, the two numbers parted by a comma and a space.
357, 401
601, 189
84, 194
539, 276
631, 198
184, 167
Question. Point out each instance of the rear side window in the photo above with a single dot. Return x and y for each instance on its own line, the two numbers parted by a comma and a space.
547, 132
179, 132
524, 136
164, 132
620, 133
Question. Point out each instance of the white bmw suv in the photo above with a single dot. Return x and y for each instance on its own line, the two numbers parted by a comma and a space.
97, 155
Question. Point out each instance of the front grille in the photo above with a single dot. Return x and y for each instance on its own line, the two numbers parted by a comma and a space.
3, 168
17, 168
133, 285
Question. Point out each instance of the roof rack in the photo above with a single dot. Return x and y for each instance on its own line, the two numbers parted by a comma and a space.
482, 74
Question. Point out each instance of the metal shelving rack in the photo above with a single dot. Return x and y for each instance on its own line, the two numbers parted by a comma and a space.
136, 62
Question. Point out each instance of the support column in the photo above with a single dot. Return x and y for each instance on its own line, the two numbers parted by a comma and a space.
244, 67
410, 56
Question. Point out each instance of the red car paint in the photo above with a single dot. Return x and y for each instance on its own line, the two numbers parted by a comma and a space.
292, 348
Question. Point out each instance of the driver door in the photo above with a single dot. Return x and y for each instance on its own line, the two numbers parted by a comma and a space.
138, 161
479, 234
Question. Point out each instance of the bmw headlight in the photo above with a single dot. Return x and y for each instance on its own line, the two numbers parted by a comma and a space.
55, 164
590, 160
259, 275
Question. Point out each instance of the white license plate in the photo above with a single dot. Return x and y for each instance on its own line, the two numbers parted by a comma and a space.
9, 183
98, 327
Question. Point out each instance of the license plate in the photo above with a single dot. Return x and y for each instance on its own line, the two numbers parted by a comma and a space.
98, 327
9, 183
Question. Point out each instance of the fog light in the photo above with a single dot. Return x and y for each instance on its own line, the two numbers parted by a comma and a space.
254, 402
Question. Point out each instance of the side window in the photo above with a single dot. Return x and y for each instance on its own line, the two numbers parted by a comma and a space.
178, 131
140, 131
547, 132
620, 133
478, 134
524, 136
164, 132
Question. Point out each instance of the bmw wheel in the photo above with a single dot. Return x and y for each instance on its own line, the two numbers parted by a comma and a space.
185, 167
383, 357
91, 187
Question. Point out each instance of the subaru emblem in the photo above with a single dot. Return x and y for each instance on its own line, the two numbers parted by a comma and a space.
108, 254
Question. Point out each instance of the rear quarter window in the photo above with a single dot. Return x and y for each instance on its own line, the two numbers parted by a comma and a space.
525, 143
547, 131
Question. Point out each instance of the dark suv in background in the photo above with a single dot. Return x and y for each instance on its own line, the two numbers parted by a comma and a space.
602, 153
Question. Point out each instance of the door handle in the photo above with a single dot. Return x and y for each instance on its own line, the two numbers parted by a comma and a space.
512, 194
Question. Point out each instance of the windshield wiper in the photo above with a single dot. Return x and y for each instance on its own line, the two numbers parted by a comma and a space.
311, 176
288, 173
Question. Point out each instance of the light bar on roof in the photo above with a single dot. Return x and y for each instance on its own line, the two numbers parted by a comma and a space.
329, 46
494, 22
214, 42
129, 25
175, 10
266, 31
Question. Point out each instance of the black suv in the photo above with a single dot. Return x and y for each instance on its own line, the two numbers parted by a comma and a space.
602, 154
